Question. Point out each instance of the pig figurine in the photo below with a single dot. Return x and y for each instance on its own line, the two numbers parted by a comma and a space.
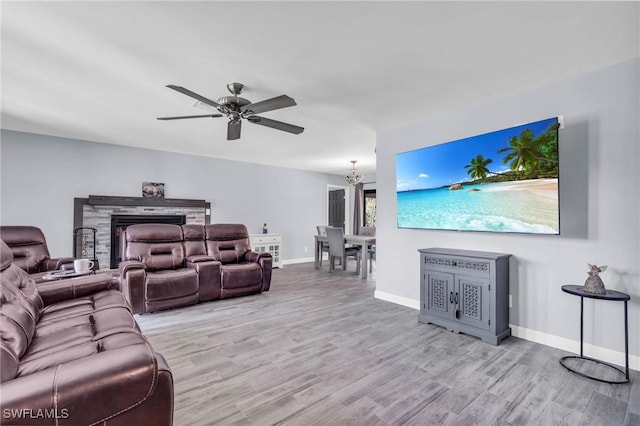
594, 284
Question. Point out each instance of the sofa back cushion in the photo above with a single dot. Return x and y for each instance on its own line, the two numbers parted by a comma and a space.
194, 240
20, 308
158, 246
28, 246
227, 242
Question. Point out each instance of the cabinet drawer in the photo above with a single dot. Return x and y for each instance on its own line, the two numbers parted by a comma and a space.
457, 264
265, 239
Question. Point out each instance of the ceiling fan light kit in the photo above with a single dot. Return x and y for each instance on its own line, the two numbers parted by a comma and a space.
237, 108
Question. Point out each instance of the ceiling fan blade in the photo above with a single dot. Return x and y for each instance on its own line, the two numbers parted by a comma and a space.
194, 95
189, 116
278, 102
274, 124
233, 130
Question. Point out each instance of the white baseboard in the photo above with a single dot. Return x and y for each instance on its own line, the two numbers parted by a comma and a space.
299, 260
570, 345
399, 300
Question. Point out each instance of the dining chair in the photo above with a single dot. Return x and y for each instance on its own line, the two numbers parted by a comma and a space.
324, 247
370, 231
337, 249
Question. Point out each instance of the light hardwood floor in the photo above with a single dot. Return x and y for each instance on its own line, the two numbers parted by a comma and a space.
318, 349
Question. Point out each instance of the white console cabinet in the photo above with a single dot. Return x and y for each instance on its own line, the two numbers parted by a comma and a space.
270, 243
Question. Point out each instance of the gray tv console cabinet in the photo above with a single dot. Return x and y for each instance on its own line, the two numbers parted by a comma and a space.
466, 291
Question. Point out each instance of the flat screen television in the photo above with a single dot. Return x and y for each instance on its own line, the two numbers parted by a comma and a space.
503, 181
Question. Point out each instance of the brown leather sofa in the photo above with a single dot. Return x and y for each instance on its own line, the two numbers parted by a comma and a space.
71, 353
167, 266
30, 251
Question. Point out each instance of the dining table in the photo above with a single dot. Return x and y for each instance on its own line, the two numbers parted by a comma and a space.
362, 241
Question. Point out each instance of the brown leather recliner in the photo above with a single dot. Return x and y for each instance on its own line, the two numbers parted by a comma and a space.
30, 251
73, 354
167, 266
156, 274
242, 271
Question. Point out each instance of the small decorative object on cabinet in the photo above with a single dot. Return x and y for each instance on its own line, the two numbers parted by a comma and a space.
466, 292
270, 243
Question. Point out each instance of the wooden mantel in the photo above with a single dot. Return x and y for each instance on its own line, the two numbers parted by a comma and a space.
105, 200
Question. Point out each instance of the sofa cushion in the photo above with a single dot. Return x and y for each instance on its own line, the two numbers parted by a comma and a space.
227, 242
158, 246
236, 275
82, 306
65, 334
194, 240
8, 363
28, 246
157, 256
170, 284
20, 306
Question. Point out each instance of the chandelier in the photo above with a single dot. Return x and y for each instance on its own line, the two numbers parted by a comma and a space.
353, 177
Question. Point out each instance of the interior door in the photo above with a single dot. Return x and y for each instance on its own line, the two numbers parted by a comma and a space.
336, 208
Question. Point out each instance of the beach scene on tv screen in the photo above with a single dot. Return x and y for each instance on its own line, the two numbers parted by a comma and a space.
504, 181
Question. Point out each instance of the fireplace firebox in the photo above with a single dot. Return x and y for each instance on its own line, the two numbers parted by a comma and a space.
120, 222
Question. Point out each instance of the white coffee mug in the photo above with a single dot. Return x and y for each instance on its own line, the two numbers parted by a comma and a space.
82, 265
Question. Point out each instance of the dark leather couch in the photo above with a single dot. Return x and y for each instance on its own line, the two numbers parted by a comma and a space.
30, 251
167, 266
72, 354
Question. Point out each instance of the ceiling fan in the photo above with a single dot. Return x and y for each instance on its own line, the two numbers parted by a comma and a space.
236, 108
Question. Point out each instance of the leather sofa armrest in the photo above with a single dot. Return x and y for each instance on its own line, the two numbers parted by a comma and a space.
199, 258
88, 390
254, 256
265, 261
64, 263
209, 277
71, 288
132, 281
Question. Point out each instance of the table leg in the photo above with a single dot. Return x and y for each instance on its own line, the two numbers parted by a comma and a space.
363, 261
626, 341
317, 254
581, 323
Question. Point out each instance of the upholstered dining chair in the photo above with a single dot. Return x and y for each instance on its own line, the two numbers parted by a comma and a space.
324, 247
337, 249
370, 231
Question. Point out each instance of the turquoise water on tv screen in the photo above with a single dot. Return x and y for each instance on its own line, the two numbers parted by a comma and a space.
527, 207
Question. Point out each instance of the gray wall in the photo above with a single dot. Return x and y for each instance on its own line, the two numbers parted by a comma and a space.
600, 215
41, 175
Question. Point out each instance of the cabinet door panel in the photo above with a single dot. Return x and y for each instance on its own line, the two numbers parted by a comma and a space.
439, 293
473, 301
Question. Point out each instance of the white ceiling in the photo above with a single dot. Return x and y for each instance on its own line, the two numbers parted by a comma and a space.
97, 70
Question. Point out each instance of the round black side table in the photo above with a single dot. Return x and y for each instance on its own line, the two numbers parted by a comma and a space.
578, 290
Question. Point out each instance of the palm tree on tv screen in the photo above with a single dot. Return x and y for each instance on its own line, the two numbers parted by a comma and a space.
526, 153
477, 167
522, 152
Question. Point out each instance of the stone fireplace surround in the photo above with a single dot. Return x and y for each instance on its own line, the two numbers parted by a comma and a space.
95, 212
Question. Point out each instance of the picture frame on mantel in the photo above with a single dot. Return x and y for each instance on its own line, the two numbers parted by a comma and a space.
152, 190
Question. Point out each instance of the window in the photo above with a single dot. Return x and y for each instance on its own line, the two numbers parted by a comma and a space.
369, 207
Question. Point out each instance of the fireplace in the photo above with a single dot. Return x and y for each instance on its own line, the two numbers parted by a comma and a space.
96, 212
120, 222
